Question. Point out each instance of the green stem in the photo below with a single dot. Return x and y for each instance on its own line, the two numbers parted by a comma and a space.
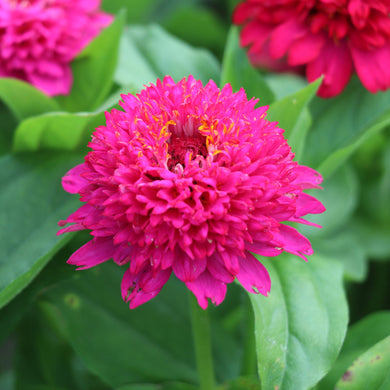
202, 342
248, 367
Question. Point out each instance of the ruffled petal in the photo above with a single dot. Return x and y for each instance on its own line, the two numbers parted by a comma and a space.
307, 177
207, 287
294, 242
53, 85
305, 49
335, 63
218, 270
143, 286
283, 36
73, 181
93, 253
307, 204
187, 269
372, 67
253, 276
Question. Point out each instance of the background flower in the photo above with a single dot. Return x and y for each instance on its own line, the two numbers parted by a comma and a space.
330, 37
39, 39
189, 179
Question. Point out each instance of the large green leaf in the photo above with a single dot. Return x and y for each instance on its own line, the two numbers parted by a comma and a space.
301, 325
42, 358
24, 100
237, 71
58, 131
152, 344
8, 124
292, 115
342, 124
340, 197
371, 370
148, 53
184, 22
345, 247
32, 203
360, 336
93, 70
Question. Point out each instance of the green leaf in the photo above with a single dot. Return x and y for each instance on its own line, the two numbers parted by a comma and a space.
148, 53
292, 114
24, 100
242, 383
345, 247
33, 202
156, 335
43, 360
93, 70
8, 125
360, 337
301, 325
373, 237
340, 197
58, 131
371, 370
237, 71
343, 123
6, 380
284, 84
184, 22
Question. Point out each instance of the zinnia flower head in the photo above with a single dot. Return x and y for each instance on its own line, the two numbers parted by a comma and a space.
39, 39
331, 37
189, 179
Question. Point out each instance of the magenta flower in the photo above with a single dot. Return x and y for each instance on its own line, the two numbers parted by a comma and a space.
39, 39
331, 37
189, 179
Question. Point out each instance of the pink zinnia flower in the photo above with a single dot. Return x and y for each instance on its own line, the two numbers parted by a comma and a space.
189, 179
39, 39
331, 37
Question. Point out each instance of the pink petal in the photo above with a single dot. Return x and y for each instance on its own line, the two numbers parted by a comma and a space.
295, 242
254, 34
372, 67
72, 181
206, 286
283, 37
305, 49
187, 269
93, 253
335, 63
253, 275
60, 85
307, 177
263, 249
217, 269
143, 286
307, 204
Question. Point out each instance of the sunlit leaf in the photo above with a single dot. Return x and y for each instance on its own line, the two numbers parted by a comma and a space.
301, 325
371, 370
360, 336
148, 53
24, 100
32, 203
343, 123
58, 131
237, 71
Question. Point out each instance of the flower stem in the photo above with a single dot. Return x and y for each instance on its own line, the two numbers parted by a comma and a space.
202, 342
248, 367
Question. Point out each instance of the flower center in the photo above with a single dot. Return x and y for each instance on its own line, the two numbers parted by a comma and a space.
185, 149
